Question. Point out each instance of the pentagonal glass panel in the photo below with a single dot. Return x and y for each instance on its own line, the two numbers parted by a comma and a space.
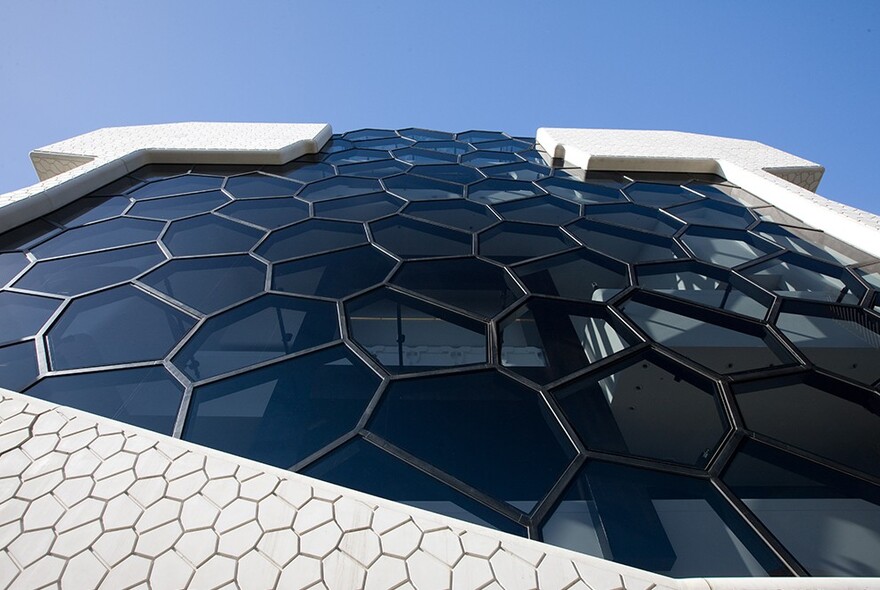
634, 216
463, 215
669, 524
511, 242
843, 340
26, 236
425, 134
363, 208
518, 171
582, 274
302, 171
23, 315
449, 173
544, 209
811, 243
209, 284
209, 234
99, 236
465, 283
260, 185
800, 277
169, 208
624, 244
268, 213
89, 209
659, 195
506, 145
365, 134
355, 156
728, 248
178, 185
77, 274
581, 192
478, 136
413, 188
709, 212
337, 274
722, 343
830, 522
284, 412
265, 328
406, 334
409, 238
389, 143
480, 158
638, 407
706, 285
545, 340
493, 191
11, 263
147, 397
119, 325
18, 365
379, 169
339, 186
362, 466
417, 156
445, 147
499, 436
311, 237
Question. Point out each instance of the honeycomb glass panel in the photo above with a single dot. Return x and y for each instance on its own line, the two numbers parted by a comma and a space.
363, 208
463, 215
100, 236
177, 186
418, 156
425, 134
362, 466
636, 407
388, 143
511, 242
796, 276
406, 334
369, 134
870, 273
466, 283
302, 171
652, 194
582, 275
445, 147
262, 329
548, 210
357, 156
830, 522
624, 244
284, 412
209, 234
311, 237
449, 173
581, 192
88, 210
24, 315
75, 275
500, 436
670, 524
112, 327
28, 235
481, 158
339, 186
505, 145
810, 243
379, 169
478, 136
726, 248
162, 171
148, 397
545, 340
422, 189
709, 212
11, 263
518, 171
409, 238
260, 185
268, 213
338, 274
493, 191
634, 216
18, 365
209, 284
169, 208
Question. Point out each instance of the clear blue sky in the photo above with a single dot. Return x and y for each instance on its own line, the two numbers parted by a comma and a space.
803, 76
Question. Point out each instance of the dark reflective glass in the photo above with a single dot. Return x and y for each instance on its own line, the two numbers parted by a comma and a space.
362, 208
624, 244
260, 185
581, 274
425, 134
268, 213
480, 158
379, 169
546, 340
169, 208
362, 466
26, 236
160, 171
801, 277
518, 171
336, 145
354, 156
417, 156
726, 193
811, 243
478, 136
498, 435
505, 145
709, 212
262, 329
581, 192
729, 248
119, 325
282, 413
634, 216
89, 209
638, 406
445, 147
23, 315
365, 134
302, 171
98, 236
209, 284
117, 187
544, 209
339, 186
669, 524
78, 274
407, 334
147, 397
464, 215
659, 195
409, 238
337, 274
224, 169
449, 173
830, 522
511, 242
422, 189
493, 191
18, 365
465, 283
176, 186
209, 234
11, 263
390, 143
311, 237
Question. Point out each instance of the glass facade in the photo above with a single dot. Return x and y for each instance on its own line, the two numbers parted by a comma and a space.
658, 369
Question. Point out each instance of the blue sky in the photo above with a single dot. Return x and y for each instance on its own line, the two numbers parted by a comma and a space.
801, 76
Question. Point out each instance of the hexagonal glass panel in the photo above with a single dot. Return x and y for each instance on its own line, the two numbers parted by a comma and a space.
449, 173
417, 156
27, 235
284, 412
117, 187
77, 274
338, 274
624, 244
414, 188
406, 334
337, 145
511, 242
409, 238
24, 315
581, 192
792, 275
160, 171
545, 209
378, 169
268, 213
169, 208
302, 171
518, 171
478, 136
466, 283
811, 243
18, 365
11, 263
209, 234
88, 210
870, 273
714, 213
725, 193
100, 236
355, 156
480, 158
500, 436
339, 186
148, 397
388, 143
425, 134
724, 247
505, 145
311, 237
635, 216
362, 208
367, 134
112, 327
547, 339
493, 191
445, 147
652, 194
464, 215
260, 185
841, 339
582, 274
209, 284
176, 186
